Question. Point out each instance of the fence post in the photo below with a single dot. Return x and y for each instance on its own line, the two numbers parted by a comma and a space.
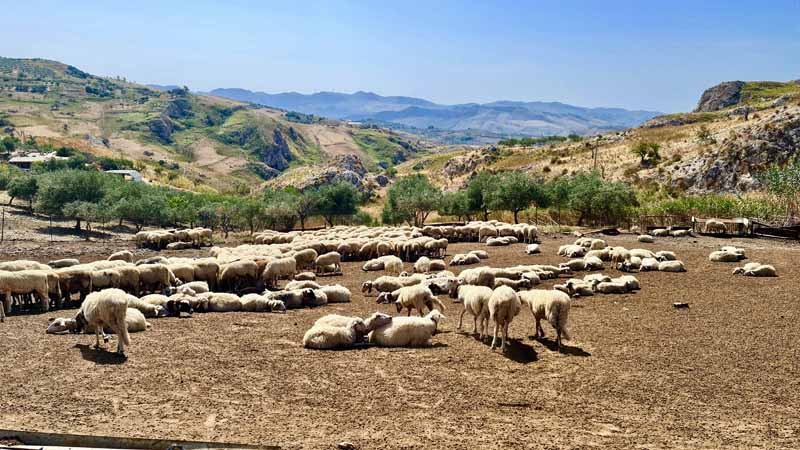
51, 229
3, 226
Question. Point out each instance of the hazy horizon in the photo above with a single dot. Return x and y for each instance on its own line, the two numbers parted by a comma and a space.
624, 55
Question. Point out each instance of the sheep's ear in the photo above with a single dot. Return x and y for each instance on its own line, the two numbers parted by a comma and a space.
50, 320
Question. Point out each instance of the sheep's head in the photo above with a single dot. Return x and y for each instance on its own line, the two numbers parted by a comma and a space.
366, 287
377, 320
384, 297
80, 323
277, 306
738, 271
436, 316
61, 325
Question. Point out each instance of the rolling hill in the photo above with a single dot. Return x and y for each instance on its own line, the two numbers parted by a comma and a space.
494, 120
183, 139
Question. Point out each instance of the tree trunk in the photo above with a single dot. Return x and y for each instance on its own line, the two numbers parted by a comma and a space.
77, 224
485, 215
302, 222
10, 200
515, 216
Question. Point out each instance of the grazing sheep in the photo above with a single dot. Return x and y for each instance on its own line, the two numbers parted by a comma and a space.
124, 255
412, 297
134, 321
102, 309
328, 259
533, 249
182, 271
305, 258
62, 263
756, 270
646, 239
24, 282
238, 274
671, 266
207, 270
504, 305
336, 293
105, 279
407, 331
73, 280
323, 337
475, 300
279, 269
552, 306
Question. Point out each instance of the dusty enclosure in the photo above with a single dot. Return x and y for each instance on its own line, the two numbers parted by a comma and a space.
637, 373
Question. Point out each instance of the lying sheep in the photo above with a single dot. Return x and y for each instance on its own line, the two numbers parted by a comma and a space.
648, 264
723, 256
611, 287
147, 309
475, 300
576, 288
552, 306
646, 239
427, 265
302, 285
123, 255
376, 320
336, 293
305, 276
632, 264
665, 255
191, 288
107, 308
222, 302
407, 331
715, 226
522, 283
461, 259
481, 254
323, 337
756, 270
631, 283
504, 305
297, 298
671, 266
261, 303
660, 232
62, 263
532, 249
412, 297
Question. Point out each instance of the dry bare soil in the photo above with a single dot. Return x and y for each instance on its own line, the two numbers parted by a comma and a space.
636, 374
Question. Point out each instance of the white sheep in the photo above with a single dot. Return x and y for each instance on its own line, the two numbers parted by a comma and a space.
376, 320
305, 276
407, 331
533, 249
462, 259
552, 306
479, 276
328, 259
222, 302
755, 269
323, 337
481, 254
646, 239
649, 264
723, 256
522, 283
106, 308
279, 269
24, 282
475, 300
147, 309
261, 303
412, 297
62, 263
336, 293
504, 305
123, 255
576, 288
292, 285
715, 226
134, 321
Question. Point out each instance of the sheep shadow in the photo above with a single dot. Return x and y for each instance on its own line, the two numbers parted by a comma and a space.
100, 355
552, 345
516, 350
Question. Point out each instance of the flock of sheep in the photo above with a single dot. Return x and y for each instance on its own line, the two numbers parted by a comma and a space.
118, 294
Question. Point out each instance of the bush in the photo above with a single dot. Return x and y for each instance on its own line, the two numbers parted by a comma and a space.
411, 199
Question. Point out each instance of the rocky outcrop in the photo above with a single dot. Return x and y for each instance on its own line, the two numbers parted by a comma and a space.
178, 108
343, 168
468, 162
162, 127
278, 154
672, 120
720, 96
735, 163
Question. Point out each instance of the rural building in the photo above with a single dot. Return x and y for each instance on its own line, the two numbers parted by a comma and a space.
25, 162
132, 175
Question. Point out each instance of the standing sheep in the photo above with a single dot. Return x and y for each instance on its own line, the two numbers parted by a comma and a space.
552, 306
475, 300
102, 309
504, 305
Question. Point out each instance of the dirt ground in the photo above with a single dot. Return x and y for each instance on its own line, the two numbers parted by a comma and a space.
637, 373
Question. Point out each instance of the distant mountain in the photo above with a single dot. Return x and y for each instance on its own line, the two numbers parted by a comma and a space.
502, 117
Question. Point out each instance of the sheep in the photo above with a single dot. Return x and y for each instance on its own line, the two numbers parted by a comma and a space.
641, 253
147, 309
407, 331
222, 302
648, 264
155, 277
123, 255
377, 319
24, 282
575, 265
179, 246
576, 288
665, 255
680, 233
152, 260
475, 300
305, 276
461, 259
522, 283
723, 256
392, 264
603, 254
671, 266
572, 251
756, 270
504, 305
478, 276
597, 244
427, 265
593, 263
632, 264
646, 239
715, 226
238, 274
260, 303
305, 258
22, 264
337, 293
630, 282
74, 280
107, 308
134, 321
412, 297
155, 299
191, 288
498, 241
295, 299
182, 271
302, 285
660, 232
611, 287
735, 250
481, 254
324, 337
129, 279
618, 255
596, 276
62, 263
552, 306
278, 269
207, 270
328, 259
533, 249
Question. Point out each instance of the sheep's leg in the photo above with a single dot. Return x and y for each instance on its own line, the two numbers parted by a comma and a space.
2, 311
96, 337
461, 318
494, 339
409, 312
505, 335
558, 339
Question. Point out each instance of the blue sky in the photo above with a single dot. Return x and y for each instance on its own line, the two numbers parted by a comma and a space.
631, 54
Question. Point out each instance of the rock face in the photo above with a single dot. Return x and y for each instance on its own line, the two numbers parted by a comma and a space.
464, 164
343, 168
162, 127
734, 164
278, 154
720, 96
